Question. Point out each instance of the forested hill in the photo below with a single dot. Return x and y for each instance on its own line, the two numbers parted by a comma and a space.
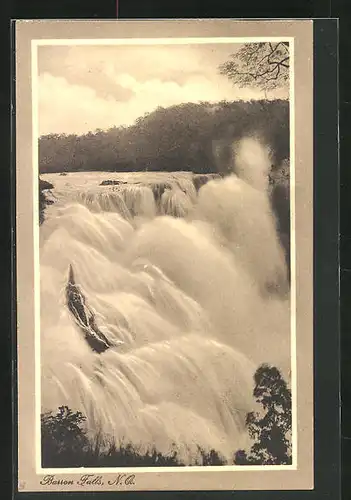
182, 137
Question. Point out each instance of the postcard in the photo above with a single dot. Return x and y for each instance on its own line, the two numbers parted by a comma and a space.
164, 190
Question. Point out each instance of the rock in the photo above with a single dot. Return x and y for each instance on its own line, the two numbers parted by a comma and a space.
45, 185
43, 200
84, 316
202, 179
112, 183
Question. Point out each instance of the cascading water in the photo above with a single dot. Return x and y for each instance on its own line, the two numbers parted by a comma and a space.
187, 292
175, 202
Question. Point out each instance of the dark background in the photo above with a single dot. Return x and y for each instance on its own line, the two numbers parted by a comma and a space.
326, 226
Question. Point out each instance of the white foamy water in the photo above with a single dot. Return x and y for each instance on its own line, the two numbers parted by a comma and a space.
191, 288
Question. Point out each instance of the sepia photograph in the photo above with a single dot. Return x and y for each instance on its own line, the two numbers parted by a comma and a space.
164, 190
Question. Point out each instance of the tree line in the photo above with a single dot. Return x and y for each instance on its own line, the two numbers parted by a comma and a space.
180, 137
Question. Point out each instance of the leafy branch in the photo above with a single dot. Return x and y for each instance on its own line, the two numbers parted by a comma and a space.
261, 65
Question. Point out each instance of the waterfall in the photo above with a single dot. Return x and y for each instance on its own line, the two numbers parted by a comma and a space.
185, 288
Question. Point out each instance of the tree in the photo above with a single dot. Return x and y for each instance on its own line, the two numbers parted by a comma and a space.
262, 65
271, 429
63, 438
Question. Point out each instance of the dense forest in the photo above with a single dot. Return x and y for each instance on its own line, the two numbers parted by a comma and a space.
183, 137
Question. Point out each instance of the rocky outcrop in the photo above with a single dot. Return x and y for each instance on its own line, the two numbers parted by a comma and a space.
43, 200
84, 316
43, 185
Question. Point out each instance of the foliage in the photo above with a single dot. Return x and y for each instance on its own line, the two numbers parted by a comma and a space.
65, 443
271, 430
263, 65
211, 458
169, 139
128, 456
63, 439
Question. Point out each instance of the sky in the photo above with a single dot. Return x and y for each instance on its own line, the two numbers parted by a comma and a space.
82, 88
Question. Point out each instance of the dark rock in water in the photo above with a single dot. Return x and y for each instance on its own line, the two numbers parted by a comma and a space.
63, 173
202, 179
45, 185
84, 316
43, 201
158, 188
112, 183
42, 205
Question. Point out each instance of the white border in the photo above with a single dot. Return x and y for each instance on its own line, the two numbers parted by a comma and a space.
293, 349
35, 165
159, 41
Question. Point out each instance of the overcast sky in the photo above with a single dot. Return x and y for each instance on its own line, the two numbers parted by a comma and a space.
83, 88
